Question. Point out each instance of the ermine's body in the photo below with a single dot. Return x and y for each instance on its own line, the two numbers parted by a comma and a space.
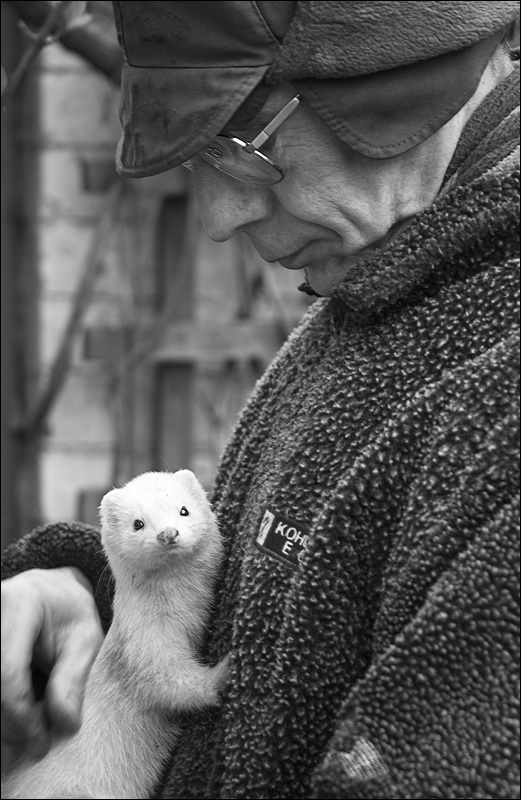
164, 548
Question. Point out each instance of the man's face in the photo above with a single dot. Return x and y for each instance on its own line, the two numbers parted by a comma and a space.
332, 206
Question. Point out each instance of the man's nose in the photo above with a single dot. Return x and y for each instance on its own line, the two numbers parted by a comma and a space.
168, 536
226, 205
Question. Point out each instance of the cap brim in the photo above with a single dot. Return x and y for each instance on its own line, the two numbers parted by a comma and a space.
384, 114
166, 121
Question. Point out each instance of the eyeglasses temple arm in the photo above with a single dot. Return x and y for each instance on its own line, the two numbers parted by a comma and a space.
274, 123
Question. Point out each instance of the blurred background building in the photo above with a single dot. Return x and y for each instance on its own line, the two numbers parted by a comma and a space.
130, 341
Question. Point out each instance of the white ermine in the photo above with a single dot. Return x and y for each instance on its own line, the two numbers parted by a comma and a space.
163, 545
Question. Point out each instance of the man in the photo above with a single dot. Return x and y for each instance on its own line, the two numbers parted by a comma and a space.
369, 494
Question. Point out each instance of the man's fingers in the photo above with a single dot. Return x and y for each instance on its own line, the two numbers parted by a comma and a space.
22, 719
49, 618
24, 728
66, 683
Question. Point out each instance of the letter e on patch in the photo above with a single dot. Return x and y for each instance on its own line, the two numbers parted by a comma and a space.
281, 538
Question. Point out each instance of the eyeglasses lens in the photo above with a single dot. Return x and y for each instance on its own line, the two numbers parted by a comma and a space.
231, 156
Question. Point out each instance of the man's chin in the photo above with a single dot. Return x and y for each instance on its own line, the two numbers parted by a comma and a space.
324, 279
321, 283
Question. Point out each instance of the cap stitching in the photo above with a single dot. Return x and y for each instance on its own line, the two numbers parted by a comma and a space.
336, 123
203, 66
263, 22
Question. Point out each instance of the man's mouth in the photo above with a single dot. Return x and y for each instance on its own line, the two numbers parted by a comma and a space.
292, 261
316, 253
285, 260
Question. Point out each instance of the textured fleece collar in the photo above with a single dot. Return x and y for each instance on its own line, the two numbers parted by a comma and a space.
479, 200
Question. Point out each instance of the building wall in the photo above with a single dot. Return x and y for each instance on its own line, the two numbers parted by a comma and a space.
70, 119
101, 428
9, 448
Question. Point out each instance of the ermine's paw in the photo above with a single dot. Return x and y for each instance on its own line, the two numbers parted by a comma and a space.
203, 688
221, 672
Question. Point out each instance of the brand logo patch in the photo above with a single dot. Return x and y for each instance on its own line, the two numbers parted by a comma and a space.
282, 538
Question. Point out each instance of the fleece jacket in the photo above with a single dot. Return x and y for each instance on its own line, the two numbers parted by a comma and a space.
369, 502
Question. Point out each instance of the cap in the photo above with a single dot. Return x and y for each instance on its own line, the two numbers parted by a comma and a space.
383, 75
189, 66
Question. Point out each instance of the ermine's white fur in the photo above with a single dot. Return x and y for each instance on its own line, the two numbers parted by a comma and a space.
147, 669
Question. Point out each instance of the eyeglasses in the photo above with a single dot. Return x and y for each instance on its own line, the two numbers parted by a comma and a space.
243, 160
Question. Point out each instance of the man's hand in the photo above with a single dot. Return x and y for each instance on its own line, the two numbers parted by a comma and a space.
49, 621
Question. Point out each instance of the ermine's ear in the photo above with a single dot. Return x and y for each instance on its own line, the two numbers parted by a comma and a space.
189, 483
110, 508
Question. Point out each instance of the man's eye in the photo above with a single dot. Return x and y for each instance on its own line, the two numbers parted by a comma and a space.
184, 511
138, 524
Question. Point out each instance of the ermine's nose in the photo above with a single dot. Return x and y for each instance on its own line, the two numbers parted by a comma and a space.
168, 536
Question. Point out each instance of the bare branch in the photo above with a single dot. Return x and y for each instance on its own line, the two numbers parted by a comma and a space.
95, 42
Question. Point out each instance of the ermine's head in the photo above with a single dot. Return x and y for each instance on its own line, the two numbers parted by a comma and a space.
157, 518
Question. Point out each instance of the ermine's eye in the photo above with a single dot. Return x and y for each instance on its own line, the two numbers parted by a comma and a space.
138, 524
184, 511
